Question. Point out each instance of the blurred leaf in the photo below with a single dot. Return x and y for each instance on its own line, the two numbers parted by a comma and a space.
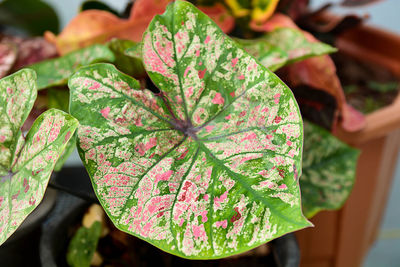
8, 55
58, 98
131, 65
33, 16
383, 87
263, 10
32, 50
83, 245
98, 26
317, 72
283, 46
220, 15
329, 168
56, 71
97, 5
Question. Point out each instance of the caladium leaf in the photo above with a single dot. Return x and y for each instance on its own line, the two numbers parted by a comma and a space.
17, 96
8, 55
129, 63
56, 71
59, 99
283, 46
26, 163
83, 245
205, 169
329, 168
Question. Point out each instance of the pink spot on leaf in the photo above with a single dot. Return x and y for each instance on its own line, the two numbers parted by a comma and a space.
207, 40
218, 99
201, 73
105, 112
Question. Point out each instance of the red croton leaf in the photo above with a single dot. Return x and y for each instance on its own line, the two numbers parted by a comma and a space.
318, 72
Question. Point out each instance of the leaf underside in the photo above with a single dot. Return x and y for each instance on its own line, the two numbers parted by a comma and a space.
329, 168
207, 168
26, 163
54, 72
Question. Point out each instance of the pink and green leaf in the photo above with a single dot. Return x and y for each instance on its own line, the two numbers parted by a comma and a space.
329, 168
17, 96
283, 46
208, 167
23, 187
56, 71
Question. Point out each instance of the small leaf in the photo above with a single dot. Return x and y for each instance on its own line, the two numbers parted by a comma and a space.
283, 46
126, 59
56, 71
23, 187
8, 55
329, 168
205, 169
83, 245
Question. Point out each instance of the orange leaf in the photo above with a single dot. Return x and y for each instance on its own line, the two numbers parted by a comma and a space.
97, 26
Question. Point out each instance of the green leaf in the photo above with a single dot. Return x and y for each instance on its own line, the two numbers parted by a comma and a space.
283, 46
23, 187
32, 16
329, 168
83, 245
129, 63
208, 167
53, 72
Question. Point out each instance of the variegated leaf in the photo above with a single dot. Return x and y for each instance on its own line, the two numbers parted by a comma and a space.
208, 167
17, 95
329, 168
23, 187
283, 46
56, 71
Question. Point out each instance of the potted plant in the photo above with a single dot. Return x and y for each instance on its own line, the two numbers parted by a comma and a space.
213, 151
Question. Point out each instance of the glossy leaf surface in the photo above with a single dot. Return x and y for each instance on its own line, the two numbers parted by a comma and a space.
83, 245
56, 71
283, 46
329, 168
205, 169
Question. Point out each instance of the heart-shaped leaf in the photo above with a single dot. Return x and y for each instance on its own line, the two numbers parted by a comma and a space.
329, 168
205, 169
283, 46
56, 71
26, 163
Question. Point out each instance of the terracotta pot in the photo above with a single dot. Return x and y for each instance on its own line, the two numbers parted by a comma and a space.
343, 238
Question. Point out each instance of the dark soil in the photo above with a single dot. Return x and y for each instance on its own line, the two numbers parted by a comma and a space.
367, 87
